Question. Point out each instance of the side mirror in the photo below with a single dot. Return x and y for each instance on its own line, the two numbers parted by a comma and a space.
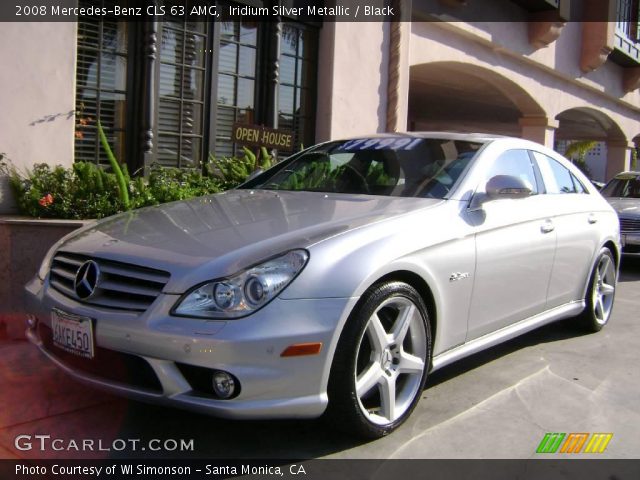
507, 186
500, 186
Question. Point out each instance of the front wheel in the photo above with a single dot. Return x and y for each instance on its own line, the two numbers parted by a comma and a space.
381, 361
600, 293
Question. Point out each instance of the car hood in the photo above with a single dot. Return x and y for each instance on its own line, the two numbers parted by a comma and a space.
218, 235
628, 207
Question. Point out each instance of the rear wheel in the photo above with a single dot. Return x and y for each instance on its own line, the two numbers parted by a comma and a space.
600, 293
380, 365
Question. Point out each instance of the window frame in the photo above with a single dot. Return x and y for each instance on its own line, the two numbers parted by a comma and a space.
141, 126
128, 130
575, 181
205, 103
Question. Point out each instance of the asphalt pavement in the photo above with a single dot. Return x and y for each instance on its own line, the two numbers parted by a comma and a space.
496, 404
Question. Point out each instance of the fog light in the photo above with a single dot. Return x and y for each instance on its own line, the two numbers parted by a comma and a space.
224, 385
32, 321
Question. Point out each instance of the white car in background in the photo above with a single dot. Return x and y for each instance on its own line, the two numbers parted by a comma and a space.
334, 282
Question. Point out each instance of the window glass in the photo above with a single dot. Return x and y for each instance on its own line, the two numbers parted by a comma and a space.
207, 76
623, 186
236, 81
101, 79
297, 73
181, 93
557, 178
515, 163
580, 188
392, 166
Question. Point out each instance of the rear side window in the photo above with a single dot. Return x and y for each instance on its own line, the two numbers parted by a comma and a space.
515, 163
580, 188
557, 178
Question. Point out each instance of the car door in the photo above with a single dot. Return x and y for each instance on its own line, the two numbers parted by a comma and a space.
575, 217
515, 246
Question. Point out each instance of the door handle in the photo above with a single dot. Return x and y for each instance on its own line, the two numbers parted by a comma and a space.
547, 227
592, 218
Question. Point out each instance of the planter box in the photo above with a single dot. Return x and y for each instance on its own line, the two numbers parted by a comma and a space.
7, 202
23, 244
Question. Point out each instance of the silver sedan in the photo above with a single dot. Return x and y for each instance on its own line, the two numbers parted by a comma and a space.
332, 283
623, 193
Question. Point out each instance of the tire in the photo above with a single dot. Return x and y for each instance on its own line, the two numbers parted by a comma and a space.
381, 362
600, 293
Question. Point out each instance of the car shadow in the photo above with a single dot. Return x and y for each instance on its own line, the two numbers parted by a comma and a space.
552, 332
629, 269
215, 438
289, 439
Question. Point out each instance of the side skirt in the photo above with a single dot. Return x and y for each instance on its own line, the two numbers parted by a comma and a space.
507, 333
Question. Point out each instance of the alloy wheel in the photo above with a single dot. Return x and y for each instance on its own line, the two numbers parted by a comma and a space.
603, 289
391, 359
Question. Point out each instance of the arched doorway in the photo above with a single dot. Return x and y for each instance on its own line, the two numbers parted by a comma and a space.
610, 153
464, 97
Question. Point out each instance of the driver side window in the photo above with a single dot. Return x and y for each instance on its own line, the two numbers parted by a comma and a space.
516, 163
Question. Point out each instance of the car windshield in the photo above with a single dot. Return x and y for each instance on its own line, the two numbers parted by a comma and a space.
391, 166
627, 186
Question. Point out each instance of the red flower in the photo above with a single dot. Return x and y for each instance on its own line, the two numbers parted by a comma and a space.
46, 200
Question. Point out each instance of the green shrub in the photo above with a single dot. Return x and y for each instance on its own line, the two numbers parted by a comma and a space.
86, 190
170, 184
232, 171
83, 191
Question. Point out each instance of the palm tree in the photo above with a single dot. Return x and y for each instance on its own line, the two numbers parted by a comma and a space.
577, 150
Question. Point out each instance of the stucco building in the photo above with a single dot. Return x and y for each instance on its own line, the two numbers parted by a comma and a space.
168, 92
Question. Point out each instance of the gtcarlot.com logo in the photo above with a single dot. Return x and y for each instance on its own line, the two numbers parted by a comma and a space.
45, 443
574, 443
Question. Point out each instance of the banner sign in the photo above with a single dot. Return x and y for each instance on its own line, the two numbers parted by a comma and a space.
259, 136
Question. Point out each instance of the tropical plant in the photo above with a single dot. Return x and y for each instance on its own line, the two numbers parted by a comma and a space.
115, 166
167, 184
577, 151
87, 190
232, 171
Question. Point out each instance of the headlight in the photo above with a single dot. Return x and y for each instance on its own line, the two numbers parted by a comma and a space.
245, 292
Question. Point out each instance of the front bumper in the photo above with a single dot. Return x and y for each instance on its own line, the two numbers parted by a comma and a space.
154, 347
630, 242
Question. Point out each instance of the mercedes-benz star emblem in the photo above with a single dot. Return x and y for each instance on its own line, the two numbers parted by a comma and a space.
87, 279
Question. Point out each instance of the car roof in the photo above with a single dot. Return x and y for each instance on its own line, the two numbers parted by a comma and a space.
449, 135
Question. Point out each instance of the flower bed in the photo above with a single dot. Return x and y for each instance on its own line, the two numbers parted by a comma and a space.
88, 191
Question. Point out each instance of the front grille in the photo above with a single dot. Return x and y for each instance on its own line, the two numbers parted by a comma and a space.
630, 225
107, 364
121, 286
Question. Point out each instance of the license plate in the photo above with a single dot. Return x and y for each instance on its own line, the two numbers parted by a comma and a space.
72, 333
